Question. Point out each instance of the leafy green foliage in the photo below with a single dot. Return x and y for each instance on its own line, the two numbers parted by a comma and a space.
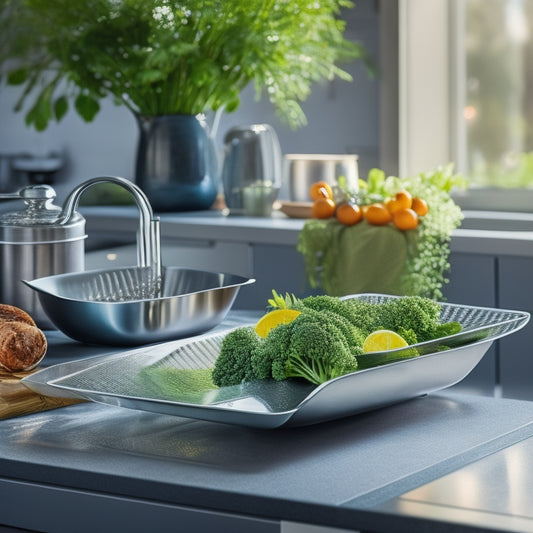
428, 247
279, 301
325, 340
162, 57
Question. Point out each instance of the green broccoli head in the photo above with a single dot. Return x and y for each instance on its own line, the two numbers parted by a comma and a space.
408, 334
421, 315
270, 356
338, 311
364, 315
234, 363
318, 351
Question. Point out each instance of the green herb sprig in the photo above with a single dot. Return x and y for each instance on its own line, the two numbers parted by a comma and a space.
161, 57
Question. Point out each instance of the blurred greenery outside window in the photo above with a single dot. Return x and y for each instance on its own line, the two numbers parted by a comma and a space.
494, 68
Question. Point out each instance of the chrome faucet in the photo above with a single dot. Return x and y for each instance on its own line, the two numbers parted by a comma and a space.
148, 236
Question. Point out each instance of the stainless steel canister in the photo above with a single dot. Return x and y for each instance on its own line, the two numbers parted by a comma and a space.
36, 242
302, 170
252, 169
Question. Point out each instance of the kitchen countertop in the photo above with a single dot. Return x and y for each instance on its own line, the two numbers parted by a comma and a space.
279, 229
447, 461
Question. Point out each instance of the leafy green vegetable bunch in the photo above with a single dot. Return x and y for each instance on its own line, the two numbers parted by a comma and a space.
161, 57
325, 340
428, 262
428, 246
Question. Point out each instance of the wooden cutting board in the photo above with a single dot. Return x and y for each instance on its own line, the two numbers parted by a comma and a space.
16, 399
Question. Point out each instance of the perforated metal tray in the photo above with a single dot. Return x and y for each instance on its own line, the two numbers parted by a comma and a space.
151, 379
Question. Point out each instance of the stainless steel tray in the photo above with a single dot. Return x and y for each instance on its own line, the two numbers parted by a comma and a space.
152, 379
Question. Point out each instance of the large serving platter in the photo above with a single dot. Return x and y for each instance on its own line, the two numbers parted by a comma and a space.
152, 378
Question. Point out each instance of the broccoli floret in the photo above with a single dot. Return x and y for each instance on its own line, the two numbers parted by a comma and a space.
271, 352
352, 335
324, 341
318, 351
422, 315
448, 328
344, 308
339, 312
364, 315
234, 363
408, 334
312, 349
321, 303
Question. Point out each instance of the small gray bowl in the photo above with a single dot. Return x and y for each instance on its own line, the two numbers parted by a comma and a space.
120, 306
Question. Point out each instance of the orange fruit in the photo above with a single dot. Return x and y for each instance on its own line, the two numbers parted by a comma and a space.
323, 208
420, 207
392, 205
405, 219
377, 214
349, 214
320, 189
404, 199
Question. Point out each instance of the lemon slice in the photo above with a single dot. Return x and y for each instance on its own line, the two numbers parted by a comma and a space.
273, 319
383, 339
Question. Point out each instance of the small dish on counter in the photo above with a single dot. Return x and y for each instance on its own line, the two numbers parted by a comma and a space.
296, 209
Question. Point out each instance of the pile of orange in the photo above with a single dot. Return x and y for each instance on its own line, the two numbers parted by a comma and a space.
403, 210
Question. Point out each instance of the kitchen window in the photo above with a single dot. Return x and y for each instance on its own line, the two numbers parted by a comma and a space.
466, 95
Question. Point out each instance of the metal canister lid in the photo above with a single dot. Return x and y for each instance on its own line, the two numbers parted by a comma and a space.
41, 221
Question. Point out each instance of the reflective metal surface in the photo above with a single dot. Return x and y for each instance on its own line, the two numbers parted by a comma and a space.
34, 242
148, 238
147, 379
46, 240
127, 382
252, 169
187, 302
495, 492
302, 170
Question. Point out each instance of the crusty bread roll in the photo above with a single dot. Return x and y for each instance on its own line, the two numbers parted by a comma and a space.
22, 343
14, 314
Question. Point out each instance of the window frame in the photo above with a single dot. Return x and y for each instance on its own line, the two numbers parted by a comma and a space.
431, 75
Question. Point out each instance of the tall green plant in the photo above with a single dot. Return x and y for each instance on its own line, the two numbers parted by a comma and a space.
162, 57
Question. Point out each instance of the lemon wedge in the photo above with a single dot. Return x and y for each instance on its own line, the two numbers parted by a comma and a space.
383, 339
273, 319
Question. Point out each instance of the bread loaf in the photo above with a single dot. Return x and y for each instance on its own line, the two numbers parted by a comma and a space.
11, 313
22, 343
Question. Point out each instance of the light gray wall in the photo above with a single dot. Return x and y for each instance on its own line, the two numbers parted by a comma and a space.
342, 118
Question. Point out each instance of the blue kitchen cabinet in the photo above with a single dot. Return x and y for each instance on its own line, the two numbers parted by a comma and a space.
515, 289
472, 282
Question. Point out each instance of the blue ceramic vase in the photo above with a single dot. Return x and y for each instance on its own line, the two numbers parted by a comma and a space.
176, 163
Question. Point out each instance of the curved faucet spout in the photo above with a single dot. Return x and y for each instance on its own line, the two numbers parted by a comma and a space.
148, 238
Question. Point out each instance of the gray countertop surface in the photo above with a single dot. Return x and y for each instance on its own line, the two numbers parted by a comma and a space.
279, 229
393, 469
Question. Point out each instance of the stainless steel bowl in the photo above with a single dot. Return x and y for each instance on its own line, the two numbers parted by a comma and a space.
302, 170
106, 306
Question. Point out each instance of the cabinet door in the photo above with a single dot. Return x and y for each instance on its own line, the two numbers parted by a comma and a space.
516, 354
472, 282
278, 267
